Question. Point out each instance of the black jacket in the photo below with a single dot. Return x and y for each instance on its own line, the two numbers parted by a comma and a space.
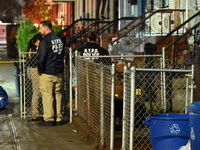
93, 49
51, 55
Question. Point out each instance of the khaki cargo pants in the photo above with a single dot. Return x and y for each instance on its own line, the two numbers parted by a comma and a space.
50, 87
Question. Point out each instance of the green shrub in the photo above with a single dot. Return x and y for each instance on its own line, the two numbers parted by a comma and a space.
25, 32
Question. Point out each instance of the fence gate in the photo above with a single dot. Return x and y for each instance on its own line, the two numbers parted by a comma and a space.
156, 91
30, 97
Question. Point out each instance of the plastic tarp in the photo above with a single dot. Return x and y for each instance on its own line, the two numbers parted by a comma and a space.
3, 98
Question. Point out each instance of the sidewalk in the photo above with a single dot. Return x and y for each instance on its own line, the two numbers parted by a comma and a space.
20, 134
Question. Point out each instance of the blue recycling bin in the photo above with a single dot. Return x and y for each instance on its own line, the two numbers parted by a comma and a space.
194, 124
168, 131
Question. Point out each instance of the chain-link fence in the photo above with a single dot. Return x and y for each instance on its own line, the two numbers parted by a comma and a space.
30, 96
93, 96
156, 91
115, 101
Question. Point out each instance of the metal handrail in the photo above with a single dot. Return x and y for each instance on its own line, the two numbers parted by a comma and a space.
176, 30
85, 30
183, 35
142, 21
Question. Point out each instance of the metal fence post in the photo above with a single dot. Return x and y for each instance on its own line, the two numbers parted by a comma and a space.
124, 121
192, 84
112, 107
21, 85
101, 106
70, 83
164, 82
186, 96
24, 83
75, 78
132, 107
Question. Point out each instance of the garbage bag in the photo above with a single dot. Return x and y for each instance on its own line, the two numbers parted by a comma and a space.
3, 98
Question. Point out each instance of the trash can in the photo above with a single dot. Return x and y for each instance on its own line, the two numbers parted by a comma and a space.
194, 124
168, 131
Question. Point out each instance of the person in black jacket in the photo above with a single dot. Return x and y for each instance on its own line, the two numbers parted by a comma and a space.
33, 75
50, 70
91, 48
